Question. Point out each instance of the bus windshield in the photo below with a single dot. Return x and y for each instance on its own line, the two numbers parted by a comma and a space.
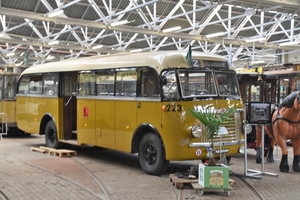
194, 83
227, 84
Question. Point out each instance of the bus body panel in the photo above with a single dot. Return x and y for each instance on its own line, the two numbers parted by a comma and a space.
31, 110
86, 121
176, 131
9, 108
105, 129
22, 113
125, 124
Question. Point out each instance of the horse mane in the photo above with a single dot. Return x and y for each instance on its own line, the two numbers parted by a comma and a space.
288, 101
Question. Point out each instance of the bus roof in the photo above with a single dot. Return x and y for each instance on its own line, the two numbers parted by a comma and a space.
158, 60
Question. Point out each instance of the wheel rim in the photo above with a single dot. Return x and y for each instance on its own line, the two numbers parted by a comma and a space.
150, 154
51, 136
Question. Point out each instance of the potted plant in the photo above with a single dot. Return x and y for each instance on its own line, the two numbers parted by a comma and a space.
212, 119
212, 175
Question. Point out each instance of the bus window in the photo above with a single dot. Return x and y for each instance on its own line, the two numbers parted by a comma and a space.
24, 85
36, 84
87, 83
1, 83
9, 87
196, 83
50, 84
227, 84
105, 83
126, 83
170, 89
150, 83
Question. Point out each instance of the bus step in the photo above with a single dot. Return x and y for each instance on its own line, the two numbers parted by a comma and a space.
74, 132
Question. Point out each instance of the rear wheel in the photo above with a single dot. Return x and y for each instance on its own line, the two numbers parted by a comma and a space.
152, 155
51, 135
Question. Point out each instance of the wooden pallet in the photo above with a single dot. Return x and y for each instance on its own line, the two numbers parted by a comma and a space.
38, 149
181, 183
55, 152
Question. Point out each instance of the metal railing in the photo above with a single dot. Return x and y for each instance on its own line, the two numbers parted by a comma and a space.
4, 127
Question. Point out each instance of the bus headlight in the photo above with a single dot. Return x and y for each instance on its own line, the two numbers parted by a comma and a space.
242, 150
196, 131
248, 128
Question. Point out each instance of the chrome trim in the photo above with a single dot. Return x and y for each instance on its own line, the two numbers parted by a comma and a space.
216, 144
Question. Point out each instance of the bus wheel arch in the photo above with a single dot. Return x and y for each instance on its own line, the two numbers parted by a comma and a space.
51, 137
151, 154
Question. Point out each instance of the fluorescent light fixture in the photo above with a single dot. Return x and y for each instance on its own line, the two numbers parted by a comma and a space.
97, 46
19, 64
289, 43
119, 23
55, 13
136, 50
258, 62
256, 39
50, 57
175, 28
1, 35
53, 42
215, 34
10, 54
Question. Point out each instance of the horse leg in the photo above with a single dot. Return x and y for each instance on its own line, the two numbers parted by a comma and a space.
270, 158
284, 166
296, 161
258, 145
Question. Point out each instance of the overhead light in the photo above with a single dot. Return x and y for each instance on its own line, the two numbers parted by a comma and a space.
50, 57
10, 54
97, 46
55, 13
258, 62
289, 43
119, 23
53, 42
136, 50
256, 39
215, 34
175, 28
19, 64
1, 35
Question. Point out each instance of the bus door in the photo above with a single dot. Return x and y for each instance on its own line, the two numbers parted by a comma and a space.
69, 83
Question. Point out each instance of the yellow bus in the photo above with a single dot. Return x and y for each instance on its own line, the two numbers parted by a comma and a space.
135, 103
8, 87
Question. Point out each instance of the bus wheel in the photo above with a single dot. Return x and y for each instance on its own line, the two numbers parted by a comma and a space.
152, 155
51, 135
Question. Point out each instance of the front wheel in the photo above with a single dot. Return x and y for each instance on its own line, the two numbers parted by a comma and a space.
152, 155
51, 135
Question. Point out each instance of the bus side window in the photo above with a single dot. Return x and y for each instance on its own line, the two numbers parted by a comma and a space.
87, 83
150, 83
24, 85
36, 84
105, 83
126, 83
50, 84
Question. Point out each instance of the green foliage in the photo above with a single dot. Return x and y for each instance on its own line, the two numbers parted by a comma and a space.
212, 119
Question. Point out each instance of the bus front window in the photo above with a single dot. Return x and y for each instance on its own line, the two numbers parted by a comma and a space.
197, 83
227, 83
170, 89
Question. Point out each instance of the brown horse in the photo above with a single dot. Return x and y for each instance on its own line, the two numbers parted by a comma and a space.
269, 131
286, 125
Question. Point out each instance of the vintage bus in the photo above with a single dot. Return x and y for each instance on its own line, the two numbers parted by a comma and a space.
134, 102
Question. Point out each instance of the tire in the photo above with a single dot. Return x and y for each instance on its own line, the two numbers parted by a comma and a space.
51, 135
152, 155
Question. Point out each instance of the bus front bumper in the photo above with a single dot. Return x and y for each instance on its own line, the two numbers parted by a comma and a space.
216, 144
